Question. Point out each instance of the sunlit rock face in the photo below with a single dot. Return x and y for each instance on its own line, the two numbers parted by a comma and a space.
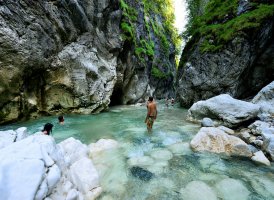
57, 56
240, 68
69, 56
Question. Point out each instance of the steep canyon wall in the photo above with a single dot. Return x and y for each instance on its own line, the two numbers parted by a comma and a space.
76, 56
231, 51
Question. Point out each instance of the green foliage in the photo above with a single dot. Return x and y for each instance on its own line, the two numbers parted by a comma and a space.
157, 73
146, 48
128, 30
127, 25
220, 24
165, 9
158, 18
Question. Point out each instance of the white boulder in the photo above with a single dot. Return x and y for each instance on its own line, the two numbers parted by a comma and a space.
102, 145
7, 138
73, 150
217, 141
265, 99
84, 175
230, 111
260, 158
21, 133
26, 162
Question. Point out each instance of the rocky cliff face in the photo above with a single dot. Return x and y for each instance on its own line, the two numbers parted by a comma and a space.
241, 66
70, 56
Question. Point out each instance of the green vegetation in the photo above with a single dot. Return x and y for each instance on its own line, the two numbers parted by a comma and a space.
158, 19
127, 25
163, 8
157, 73
220, 23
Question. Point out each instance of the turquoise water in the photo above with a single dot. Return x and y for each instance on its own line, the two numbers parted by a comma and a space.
178, 173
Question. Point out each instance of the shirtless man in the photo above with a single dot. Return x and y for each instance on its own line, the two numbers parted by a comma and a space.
151, 113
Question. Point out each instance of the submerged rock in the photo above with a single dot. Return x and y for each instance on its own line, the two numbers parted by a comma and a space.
140, 161
231, 189
198, 190
180, 148
102, 145
230, 111
161, 154
141, 173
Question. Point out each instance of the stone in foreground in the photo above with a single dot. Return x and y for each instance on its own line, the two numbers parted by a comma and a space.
217, 141
260, 158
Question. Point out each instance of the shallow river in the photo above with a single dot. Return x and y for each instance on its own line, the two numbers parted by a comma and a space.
176, 171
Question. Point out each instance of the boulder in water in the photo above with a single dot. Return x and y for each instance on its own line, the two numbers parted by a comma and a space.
198, 190
217, 141
231, 189
231, 111
141, 173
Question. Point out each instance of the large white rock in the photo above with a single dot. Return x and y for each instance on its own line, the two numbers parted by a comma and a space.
21, 133
54, 175
265, 99
84, 175
73, 150
7, 138
198, 190
102, 145
231, 189
24, 168
260, 158
72, 195
267, 133
231, 111
226, 130
217, 141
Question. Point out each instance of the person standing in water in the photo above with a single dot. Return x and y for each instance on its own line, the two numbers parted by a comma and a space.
61, 120
167, 102
151, 114
172, 101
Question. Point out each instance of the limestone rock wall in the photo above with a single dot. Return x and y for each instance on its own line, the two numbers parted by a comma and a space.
241, 68
67, 56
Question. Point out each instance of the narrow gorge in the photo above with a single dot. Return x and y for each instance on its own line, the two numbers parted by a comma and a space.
70, 56
128, 99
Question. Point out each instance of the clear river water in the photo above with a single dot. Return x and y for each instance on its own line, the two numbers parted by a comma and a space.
167, 168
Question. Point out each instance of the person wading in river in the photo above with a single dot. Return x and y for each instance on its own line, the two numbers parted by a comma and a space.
151, 114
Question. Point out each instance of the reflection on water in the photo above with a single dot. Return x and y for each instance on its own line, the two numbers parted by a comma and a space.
178, 173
